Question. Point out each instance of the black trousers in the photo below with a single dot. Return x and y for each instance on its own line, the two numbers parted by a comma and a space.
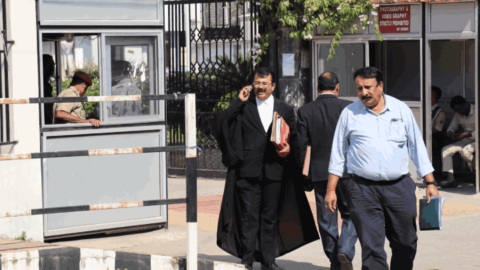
384, 208
437, 145
332, 242
259, 207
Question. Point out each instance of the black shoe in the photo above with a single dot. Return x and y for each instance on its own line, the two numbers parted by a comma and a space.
345, 261
271, 266
450, 182
247, 266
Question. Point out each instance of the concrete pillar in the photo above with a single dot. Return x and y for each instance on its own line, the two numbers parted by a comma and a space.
20, 180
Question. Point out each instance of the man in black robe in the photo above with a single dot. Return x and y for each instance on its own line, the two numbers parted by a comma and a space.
264, 213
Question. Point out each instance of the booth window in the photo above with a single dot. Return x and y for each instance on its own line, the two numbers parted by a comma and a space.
117, 64
403, 70
63, 55
453, 68
400, 63
130, 65
348, 58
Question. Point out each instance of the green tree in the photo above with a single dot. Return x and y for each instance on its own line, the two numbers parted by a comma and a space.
303, 16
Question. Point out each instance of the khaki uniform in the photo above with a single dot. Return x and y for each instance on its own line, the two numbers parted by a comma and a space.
75, 108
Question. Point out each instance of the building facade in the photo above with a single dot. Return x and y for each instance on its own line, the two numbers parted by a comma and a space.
425, 44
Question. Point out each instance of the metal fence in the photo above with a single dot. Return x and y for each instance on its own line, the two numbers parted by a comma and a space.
208, 52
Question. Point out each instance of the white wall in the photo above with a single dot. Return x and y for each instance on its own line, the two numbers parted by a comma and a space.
20, 180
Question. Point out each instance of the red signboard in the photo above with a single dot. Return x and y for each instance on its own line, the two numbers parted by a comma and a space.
394, 19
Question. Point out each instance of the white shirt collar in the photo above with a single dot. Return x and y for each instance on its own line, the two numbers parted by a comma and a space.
268, 101
327, 94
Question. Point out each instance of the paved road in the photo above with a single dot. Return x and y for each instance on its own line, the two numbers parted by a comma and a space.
455, 247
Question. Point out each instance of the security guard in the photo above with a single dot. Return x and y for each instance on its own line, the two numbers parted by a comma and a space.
74, 112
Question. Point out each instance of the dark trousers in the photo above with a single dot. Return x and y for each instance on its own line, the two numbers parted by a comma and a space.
328, 222
437, 145
384, 208
259, 207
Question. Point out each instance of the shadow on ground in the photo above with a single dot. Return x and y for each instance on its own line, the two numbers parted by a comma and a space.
462, 189
287, 264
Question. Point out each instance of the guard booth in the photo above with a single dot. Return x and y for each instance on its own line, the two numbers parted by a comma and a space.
425, 44
116, 43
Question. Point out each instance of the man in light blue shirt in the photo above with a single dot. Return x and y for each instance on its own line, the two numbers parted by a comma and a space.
374, 138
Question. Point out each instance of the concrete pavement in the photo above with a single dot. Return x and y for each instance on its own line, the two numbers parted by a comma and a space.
456, 246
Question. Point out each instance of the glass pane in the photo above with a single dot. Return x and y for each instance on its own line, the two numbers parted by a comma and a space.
447, 74
348, 58
376, 54
131, 71
447, 68
101, 11
470, 71
403, 70
48, 60
80, 54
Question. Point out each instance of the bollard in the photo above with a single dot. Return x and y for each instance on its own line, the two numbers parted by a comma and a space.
191, 175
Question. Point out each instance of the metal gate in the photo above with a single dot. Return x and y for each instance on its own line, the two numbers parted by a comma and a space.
208, 52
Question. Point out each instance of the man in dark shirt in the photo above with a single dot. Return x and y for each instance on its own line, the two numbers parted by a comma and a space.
316, 127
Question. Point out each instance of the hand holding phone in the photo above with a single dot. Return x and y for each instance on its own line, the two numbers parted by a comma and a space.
245, 93
251, 87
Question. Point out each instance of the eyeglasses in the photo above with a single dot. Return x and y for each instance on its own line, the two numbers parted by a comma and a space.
259, 83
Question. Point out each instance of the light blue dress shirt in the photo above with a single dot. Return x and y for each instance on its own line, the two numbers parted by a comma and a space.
377, 147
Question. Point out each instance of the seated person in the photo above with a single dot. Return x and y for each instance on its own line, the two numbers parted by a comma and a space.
464, 117
74, 112
438, 120
48, 72
124, 86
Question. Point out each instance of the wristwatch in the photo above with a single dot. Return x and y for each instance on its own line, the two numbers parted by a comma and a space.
434, 182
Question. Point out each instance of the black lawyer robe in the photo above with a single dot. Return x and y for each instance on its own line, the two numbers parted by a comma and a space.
296, 225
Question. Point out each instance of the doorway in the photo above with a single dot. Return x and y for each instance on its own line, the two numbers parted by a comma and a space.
452, 75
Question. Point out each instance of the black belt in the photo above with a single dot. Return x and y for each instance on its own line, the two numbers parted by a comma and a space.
398, 179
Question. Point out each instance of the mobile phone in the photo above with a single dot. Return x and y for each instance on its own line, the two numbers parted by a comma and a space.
251, 88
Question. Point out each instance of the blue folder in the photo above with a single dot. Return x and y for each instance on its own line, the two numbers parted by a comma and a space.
431, 214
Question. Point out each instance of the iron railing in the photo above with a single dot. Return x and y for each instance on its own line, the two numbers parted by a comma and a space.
190, 162
207, 53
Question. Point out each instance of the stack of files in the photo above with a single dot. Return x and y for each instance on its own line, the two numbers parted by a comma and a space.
280, 131
431, 214
306, 163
